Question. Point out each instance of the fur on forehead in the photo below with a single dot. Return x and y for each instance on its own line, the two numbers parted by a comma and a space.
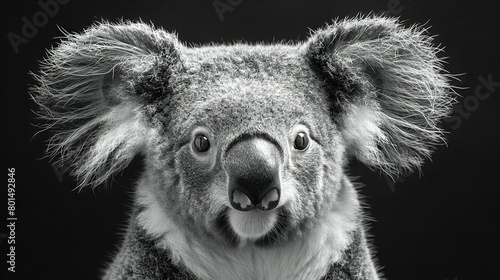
226, 86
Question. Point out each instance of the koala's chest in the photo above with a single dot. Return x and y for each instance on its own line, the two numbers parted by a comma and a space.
276, 265
307, 259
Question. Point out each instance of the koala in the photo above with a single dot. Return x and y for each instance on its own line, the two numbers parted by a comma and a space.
245, 146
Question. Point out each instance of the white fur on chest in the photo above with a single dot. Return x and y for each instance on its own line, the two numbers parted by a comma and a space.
306, 259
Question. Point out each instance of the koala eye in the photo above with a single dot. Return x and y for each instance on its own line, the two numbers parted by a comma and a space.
201, 143
301, 141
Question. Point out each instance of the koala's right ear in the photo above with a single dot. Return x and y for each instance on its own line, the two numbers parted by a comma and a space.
386, 88
91, 91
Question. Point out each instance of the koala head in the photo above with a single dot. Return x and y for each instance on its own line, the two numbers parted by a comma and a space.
242, 142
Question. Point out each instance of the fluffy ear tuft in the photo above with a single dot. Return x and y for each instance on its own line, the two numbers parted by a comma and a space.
386, 87
92, 90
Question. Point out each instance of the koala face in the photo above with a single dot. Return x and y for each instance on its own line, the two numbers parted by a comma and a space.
248, 159
243, 143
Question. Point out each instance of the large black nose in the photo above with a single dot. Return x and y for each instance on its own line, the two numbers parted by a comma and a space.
253, 169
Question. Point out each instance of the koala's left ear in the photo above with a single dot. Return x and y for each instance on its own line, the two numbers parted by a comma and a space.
386, 89
94, 91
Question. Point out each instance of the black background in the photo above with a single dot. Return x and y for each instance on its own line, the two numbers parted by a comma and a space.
443, 224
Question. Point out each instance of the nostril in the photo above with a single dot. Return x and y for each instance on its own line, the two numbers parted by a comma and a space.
240, 201
270, 200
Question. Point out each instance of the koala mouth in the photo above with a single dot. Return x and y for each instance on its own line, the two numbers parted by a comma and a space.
261, 228
252, 225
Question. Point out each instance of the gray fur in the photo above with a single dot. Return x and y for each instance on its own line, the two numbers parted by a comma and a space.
363, 87
141, 252
397, 69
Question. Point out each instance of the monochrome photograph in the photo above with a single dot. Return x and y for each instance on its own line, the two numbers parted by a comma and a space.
251, 140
